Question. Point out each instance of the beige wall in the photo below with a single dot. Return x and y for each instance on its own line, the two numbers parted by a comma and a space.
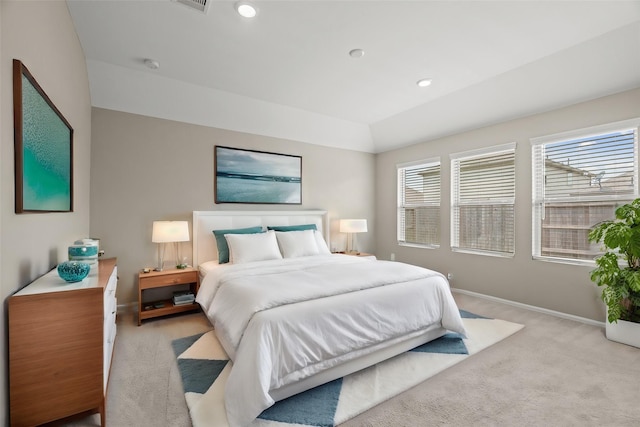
4, 340
145, 169
560, 287
42, 36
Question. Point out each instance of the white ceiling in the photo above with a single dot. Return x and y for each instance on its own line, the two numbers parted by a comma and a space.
287, 73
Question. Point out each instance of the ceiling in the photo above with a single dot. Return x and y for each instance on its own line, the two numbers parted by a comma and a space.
287, 73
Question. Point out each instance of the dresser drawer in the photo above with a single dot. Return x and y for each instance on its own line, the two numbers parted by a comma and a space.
110, 295
112, 284
110, 309
110, 337
174, 279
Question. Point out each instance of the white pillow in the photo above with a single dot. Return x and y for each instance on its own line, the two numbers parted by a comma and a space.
245, 248
323, 249
297, 243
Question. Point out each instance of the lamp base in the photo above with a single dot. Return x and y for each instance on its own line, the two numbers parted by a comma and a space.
161, 250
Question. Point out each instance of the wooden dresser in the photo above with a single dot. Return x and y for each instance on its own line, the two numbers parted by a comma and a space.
61, 339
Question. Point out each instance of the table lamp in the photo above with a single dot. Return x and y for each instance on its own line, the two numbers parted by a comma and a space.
169, 232
352, 226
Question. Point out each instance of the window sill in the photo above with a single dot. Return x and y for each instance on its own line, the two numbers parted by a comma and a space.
418, 245
485, 253
581, 262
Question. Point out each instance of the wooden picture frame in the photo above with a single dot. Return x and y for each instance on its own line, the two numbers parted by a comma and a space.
43, 148
257, 177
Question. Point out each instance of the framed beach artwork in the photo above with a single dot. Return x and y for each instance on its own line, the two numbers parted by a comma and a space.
248, 176
43, 148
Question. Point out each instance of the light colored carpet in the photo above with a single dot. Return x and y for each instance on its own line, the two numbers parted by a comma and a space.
554, 372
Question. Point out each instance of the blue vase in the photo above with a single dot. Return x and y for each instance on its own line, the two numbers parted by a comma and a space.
73, 271
83, 252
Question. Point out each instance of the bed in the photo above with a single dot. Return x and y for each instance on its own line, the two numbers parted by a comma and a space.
293, 316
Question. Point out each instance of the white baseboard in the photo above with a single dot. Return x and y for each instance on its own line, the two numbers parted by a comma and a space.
532, 308
132, 307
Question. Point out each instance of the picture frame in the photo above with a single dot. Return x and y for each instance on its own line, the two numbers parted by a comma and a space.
257, 177
43, 148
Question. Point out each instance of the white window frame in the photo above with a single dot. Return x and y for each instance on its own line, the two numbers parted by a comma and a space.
401, 203
538, 181
456, 158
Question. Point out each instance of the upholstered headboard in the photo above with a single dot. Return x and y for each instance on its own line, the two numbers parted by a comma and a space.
204, 222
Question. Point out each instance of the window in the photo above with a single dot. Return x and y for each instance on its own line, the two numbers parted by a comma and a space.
579, 179
419, 203
483, 201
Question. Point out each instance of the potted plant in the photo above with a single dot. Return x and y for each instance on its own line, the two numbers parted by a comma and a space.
621, 286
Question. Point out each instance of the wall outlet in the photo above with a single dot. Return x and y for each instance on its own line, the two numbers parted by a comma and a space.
392, 257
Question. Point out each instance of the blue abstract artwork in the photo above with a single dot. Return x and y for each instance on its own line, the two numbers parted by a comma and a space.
43, 143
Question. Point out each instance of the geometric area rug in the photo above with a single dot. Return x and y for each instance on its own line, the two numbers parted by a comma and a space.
204, 368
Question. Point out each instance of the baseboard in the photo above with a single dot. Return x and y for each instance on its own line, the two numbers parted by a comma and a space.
130, 307
532, 308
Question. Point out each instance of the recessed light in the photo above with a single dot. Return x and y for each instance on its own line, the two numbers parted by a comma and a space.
246, 10
356, 53
151, 63
424, 82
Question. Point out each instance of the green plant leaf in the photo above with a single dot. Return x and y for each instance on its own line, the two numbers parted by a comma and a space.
621, 287
633, 280
596, 233
617, 235
628, 213
607, 271
633, 245
612, 298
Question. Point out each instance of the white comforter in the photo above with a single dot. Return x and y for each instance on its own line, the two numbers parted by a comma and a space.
284, 320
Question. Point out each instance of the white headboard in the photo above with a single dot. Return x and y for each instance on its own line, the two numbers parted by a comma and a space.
204, 222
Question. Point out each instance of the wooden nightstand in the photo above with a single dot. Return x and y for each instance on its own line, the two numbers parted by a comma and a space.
161, 279
360, 254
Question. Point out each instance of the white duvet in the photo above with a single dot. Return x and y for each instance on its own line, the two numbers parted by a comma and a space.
284, 320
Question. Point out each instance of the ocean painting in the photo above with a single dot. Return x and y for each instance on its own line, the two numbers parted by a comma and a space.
247, 176
44, 164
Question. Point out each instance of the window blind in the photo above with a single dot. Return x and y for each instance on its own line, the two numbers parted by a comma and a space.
579, 179
483, 201
419, 203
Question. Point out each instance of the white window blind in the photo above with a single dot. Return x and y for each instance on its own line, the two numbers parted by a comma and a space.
483, 201
419, 203
579, 179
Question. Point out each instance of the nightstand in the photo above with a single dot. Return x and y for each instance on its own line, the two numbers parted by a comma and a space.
359, 254
161, 279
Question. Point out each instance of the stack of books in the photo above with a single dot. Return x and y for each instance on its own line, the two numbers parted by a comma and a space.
183, 298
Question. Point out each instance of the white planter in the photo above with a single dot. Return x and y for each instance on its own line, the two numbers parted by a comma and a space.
624, 332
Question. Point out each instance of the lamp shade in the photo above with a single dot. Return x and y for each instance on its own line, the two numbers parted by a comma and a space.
353, 225
170, 231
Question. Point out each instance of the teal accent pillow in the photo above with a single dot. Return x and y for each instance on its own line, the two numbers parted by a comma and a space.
223, 248
292, 227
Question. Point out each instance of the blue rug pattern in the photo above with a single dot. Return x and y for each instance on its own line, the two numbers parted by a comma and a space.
335, 402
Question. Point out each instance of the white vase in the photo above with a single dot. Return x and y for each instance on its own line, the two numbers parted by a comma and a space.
624, 332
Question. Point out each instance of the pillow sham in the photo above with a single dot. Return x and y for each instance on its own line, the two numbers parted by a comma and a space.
292, 227
245, 248
295, 244
323, 249
223, 248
